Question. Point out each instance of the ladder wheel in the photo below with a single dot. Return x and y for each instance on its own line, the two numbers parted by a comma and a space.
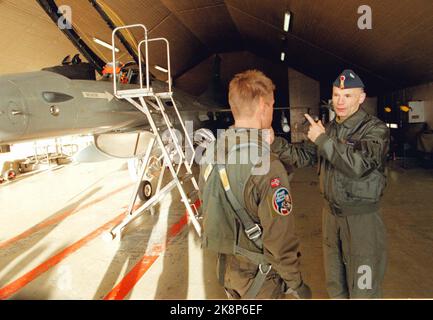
145, 192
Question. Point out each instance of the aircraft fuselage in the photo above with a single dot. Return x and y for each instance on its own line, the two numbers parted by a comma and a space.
45, 104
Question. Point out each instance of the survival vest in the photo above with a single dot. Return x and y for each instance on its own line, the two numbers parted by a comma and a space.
227, 227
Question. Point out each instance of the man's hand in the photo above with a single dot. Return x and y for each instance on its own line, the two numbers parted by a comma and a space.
316, 128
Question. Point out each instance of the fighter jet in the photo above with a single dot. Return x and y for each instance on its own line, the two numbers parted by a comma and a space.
47, 104
63, 100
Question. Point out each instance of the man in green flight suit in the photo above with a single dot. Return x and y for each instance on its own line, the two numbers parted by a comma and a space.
247, 205
351, 151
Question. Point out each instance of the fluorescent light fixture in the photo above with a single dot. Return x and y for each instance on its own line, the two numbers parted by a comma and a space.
287, 21
161, 69
104, 44
283, 56
392, 125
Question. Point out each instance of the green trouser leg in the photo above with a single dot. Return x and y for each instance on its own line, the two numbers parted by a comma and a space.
355, 255
335, 270
364, 249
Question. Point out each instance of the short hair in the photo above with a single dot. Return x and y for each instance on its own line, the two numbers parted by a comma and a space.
245, 90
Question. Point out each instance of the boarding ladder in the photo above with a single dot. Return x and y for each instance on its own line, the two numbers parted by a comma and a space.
151, 103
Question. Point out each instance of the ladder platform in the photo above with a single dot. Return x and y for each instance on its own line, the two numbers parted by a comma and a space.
135, 93
164, 95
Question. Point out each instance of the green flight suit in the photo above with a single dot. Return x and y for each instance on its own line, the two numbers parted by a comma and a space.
351, 157
258, 193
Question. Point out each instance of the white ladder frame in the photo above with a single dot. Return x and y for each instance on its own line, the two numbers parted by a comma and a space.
145, 94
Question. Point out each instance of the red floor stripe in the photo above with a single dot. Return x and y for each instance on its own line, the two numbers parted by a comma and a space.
56, 219
121, 290
129, 281
7, 291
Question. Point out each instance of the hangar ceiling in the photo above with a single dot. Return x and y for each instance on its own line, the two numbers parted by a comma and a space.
28, 38
324, 35
323, 38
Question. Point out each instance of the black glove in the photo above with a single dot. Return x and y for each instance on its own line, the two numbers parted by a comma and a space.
301, 292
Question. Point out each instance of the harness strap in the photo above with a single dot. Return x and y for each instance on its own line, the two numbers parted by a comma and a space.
258, 281
253, 232
251, 229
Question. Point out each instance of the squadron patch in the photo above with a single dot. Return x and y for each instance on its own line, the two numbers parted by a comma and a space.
275, 182
282, 201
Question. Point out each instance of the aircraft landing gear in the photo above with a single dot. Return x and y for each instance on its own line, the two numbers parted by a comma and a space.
149, 183
146, 190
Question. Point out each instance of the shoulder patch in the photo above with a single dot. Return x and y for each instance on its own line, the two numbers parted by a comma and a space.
282, 201
207, 172
275, 182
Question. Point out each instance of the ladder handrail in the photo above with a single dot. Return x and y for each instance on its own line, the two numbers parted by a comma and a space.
113, 49
168, 57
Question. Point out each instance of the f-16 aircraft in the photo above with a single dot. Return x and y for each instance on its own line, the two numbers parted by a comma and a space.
46, 104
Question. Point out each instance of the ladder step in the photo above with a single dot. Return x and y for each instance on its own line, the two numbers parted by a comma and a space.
134, 93
186, 177
192, 196
164, 95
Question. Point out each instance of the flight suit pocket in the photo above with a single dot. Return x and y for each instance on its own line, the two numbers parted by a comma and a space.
339, 188
366, 189
362, 190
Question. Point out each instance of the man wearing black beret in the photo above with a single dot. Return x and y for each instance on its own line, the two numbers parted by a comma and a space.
352, 153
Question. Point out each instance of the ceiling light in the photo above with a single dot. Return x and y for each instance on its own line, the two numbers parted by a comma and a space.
392, 125
287, 21
104, 44
283, 56
161, 69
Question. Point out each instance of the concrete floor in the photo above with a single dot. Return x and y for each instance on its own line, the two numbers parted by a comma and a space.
52, 244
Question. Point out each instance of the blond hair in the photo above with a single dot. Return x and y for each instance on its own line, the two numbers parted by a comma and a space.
245, 90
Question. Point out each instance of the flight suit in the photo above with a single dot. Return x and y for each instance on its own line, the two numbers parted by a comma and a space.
267, 200
351, 158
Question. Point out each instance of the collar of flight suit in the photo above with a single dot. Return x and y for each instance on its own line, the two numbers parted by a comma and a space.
246, 131
354, 119
253, 139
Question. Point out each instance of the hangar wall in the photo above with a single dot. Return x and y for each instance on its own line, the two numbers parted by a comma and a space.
196, 80
304, 94
422, 92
